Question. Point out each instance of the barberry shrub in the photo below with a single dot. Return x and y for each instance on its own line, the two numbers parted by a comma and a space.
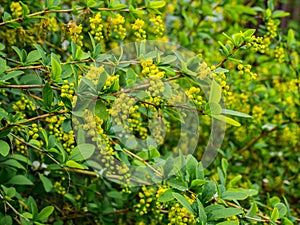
103, 121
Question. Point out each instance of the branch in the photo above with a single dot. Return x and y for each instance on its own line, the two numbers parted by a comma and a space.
232, 53
13, 209
46, 11
32, 119
263, 133
26, 86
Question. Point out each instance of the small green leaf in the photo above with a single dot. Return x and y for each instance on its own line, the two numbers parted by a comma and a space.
82, 152
4, 148
46, 182
47, 94
55, 67
2, 65
20, 180
73, 164
157, 4
33, 56
184, 202
166, 196
12, 74
224, 213
275, 214
45, 213
215, 92
227, 120
178, 184
233, 195
279, 14
282, 209
235, 113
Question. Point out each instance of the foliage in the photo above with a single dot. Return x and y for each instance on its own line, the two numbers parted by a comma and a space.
90, 135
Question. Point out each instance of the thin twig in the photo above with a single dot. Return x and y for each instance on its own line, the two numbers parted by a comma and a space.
45, 11
143, 161
26, 86
13, 209
33, 119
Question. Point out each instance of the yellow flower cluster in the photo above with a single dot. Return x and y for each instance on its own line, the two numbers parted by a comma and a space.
147, 204
179, 215
16, 9
279, 54
96, 26
94, 74
59, 188
194, 94
203, 71
34, 131
67, 91
257, 114
158, 26
55, 128
23, 105
20, 147
75, 32
110, 81
272, 28
260, 44
139, 32
246, 71
118, 26
136, 124
53, 25
151, 70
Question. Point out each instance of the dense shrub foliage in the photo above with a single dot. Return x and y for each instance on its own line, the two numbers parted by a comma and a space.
99, 112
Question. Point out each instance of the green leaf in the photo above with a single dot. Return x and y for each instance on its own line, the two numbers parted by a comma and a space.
19, 53
45, 213
227, 120
215, 92
238, 39
279, 14
4, 148
282, 209
275, 214
209, 191
12, 74
55, 67
290, 37
224, 213
25, 9
46, 182
2, 65
7, 220
166, 196
13, 163
20, 180
157, 4
253, 209
73, 164
191, 166
47, 94
233, 195
249, 33
182, 200
33, 56
168, 59
235, 113
215, 108
41, 52
201, 212
178, 184
82, 152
